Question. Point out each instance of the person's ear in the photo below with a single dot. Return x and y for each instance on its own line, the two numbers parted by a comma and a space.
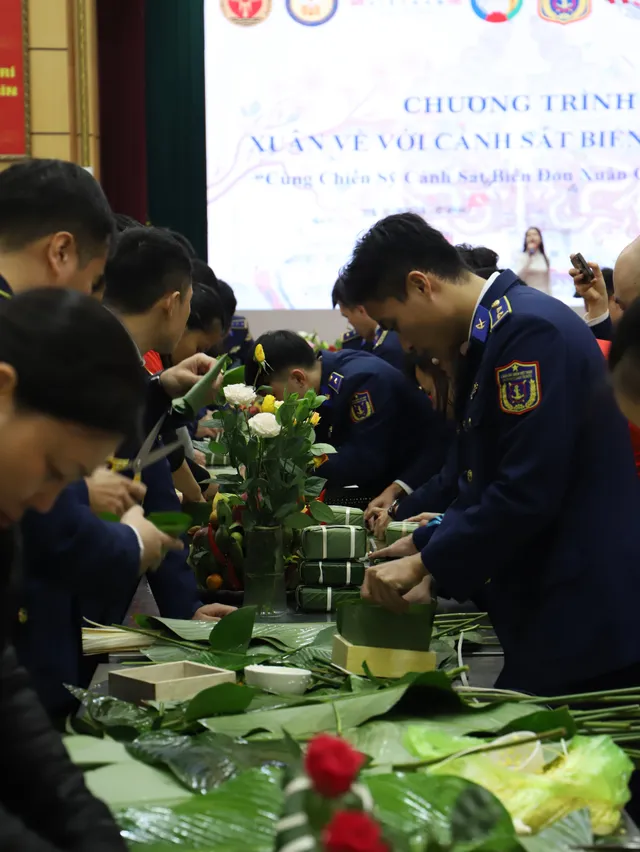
171, 302
8, 381
419, 284
298, 377
61, 253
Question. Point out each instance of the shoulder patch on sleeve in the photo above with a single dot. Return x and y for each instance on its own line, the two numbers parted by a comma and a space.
238, 323
335, 381
519, 386
350, 334
499, 311
361, 406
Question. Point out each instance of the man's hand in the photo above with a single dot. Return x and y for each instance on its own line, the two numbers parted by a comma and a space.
112, 492
384, 500
155, 544
378, 523
398, 550
213, 612
424, 518
594, 292
387, 584
200, 458
177, 380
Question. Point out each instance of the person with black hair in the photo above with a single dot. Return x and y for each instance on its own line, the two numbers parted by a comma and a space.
365, 334
148, 276
382, 426
534, 266
483, 260
50, 435
124, 222
540, 447
238, 341
55, 227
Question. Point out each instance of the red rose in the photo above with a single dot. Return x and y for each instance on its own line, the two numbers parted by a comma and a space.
353, 831
332, 764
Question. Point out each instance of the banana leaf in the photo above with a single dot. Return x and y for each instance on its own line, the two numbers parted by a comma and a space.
241, 815
362, 623
192, 631
199, 395
122, 784
220, 700
449, 815
570, 833
174, 524
291, 636
233, 633
205, 761
95, 751
224, 660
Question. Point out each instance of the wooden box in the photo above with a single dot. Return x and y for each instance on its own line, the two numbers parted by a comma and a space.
165, 681
382, 662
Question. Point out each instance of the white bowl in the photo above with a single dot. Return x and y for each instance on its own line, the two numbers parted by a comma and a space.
279, 679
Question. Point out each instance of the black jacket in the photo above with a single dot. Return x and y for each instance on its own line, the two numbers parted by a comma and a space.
44, 803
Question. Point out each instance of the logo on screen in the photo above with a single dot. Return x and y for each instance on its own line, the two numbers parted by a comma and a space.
312, 13
246, 12
564, 11
494, 11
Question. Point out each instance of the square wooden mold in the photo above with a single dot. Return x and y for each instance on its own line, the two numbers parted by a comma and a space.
382, 662
165, 681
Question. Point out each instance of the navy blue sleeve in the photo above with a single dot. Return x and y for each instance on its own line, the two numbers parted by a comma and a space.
73, 549
436, 495
436, 438
534, 452
174, 584
603, 330
371, 439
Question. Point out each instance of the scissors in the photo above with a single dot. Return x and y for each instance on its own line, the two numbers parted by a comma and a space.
148, 456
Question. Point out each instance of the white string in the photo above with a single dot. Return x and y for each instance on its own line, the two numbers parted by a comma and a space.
463, 675
329, 595
324, 542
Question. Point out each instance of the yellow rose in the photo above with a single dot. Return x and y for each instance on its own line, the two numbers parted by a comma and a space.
269, 404
314, 419
258, 354
320, 460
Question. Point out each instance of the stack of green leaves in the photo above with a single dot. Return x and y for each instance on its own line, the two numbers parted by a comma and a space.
332, 571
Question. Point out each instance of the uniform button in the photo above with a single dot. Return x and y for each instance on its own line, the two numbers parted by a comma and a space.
496, 304
469, 475
474, 390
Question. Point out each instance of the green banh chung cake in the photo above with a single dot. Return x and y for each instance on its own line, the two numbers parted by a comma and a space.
324, 599
399, 529
348, 516
334, 543
332, 573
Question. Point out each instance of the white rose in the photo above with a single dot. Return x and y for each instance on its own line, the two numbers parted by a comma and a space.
239, 394
265, 425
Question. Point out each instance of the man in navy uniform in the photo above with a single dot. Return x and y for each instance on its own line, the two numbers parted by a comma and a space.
541, 451
55, 230
382, 425
365, 334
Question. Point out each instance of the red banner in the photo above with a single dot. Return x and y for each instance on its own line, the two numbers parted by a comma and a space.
13, 116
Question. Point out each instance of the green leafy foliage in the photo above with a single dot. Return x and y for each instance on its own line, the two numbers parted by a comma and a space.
233, 633
567, 834
223, 699
174, 524
205, 761
321, 512
241, 815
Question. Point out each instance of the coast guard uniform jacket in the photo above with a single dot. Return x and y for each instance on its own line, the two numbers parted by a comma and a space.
238, 343
385, 344
544, 527
382, 425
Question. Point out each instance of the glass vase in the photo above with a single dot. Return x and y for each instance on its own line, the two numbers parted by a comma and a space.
264, 580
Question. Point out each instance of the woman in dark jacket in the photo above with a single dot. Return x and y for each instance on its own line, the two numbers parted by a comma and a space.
60, 417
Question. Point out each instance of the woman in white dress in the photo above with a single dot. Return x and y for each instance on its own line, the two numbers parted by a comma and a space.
534, 263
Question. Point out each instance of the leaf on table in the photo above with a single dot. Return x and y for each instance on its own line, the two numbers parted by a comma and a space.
132, 783
204, 762
234, 631
351, 709
121, 719
292, 636
192, 631
543, 720
160, 653
240, 815
490, 720
322, 513
95, 751
569, 833
221, 700
383, 742
432, 805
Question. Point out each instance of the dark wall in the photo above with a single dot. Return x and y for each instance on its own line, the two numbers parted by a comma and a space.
175, 111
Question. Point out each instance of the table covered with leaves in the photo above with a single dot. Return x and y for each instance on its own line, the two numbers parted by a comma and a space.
206, 774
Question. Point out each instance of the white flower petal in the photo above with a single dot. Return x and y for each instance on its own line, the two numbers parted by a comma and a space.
265, 425
239, 394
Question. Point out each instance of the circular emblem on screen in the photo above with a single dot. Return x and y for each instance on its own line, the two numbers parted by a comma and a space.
496, 11
246, 12
564, 11
312, 13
